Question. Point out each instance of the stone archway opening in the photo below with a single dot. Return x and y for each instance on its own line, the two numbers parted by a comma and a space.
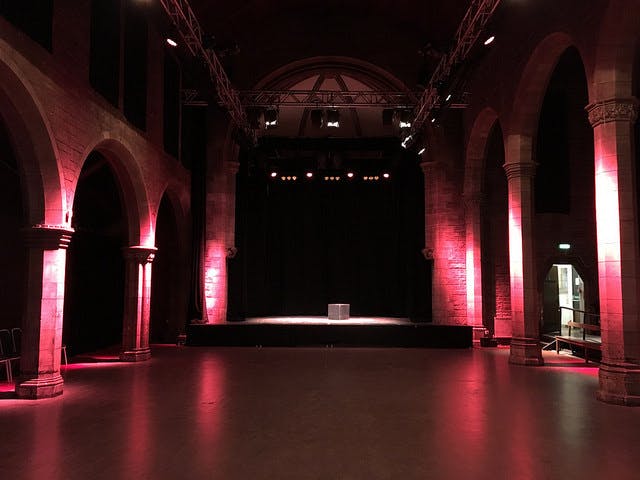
12, 251
495, 235
95, 273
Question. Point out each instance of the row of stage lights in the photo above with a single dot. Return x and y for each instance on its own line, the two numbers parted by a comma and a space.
330, 178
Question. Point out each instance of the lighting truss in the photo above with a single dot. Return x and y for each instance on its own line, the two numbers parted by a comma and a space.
472, 25
327, 98
186, 23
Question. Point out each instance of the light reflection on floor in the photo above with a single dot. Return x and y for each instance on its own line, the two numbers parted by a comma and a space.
314, 413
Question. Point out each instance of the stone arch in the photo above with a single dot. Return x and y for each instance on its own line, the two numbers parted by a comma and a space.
35, 148
615, 53
140, 224
476, 150
532, 87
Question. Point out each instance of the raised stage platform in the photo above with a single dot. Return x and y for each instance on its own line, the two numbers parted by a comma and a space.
319, 331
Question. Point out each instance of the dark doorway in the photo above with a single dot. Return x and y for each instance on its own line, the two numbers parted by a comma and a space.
94, 286
12, 249
166, 281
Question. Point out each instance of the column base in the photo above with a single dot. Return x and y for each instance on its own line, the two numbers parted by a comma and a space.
137, 355
40, 387
619, 384
525, 351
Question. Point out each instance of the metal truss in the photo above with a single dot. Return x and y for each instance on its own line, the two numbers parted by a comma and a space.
472, 25
327, 98
190, 31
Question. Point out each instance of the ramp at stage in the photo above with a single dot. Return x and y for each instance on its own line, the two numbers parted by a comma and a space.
319, 331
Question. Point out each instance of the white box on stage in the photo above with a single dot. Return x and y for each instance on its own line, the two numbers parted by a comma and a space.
338, 311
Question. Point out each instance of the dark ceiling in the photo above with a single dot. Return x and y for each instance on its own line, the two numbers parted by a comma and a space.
273, 33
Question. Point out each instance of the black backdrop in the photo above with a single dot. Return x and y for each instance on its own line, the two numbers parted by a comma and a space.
304, 244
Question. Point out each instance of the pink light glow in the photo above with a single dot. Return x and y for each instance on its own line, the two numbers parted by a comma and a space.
215, 282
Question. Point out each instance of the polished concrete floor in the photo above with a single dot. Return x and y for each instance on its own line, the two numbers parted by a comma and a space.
246, 413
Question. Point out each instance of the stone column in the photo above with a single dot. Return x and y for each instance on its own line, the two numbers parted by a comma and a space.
137, 303
520, 170
219, 236
444, 245
42, 317
473, 204
618, 249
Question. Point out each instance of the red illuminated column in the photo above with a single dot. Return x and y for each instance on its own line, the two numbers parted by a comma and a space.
473, 209
220, 231
444, 244
137, 302
618, 249
525, 320
42, 317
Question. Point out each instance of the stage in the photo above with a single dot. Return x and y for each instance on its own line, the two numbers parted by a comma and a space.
320, 331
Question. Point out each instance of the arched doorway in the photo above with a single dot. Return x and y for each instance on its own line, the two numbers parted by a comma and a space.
12, 249
495, 235
565, 199
94, 287
166, 318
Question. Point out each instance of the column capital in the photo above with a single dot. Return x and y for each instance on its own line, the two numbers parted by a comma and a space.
612, 110
140, 254
520, 169
48, 237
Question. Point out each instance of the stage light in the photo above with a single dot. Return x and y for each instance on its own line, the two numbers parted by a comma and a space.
386, 175
317, 118
283, 178
422, 150
406, 141
376, 177
333, 118
404, 119
448, 98
433, 120
564, 246
271, 118
489, 40
288, 178
274, 174
350, 174
172, 42
294, 177
309, 174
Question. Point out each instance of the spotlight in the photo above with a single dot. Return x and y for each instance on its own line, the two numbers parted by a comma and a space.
333, 118
350, 174
294, 177
489, 40
406, 141
376, 177
404, 119
448, 98
422, 150
274, 174
309, 174
564, 246
271, 118
433, 120
386, 175
317, 118
172, 42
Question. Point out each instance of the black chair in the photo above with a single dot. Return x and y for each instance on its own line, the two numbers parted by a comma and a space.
16, 334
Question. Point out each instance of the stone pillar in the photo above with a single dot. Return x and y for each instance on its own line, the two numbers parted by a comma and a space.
618, 249
137, 303
473, 210
520, 170
219, 236
444, 245
42, 318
